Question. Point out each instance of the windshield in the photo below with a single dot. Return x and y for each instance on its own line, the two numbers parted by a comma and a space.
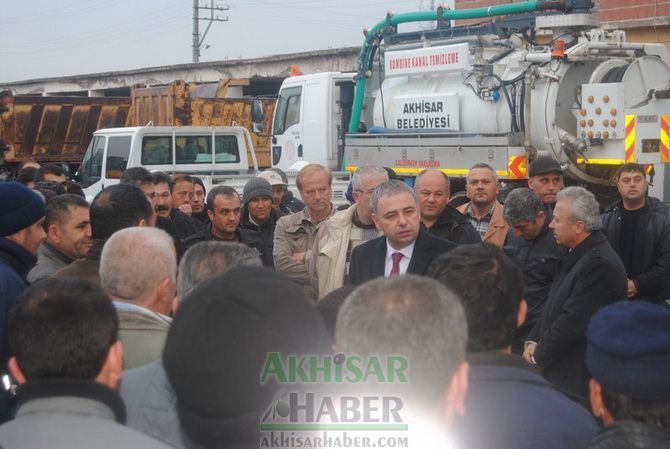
288, 109
117, 156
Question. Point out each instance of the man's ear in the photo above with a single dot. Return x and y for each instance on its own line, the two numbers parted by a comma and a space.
521, 315
165, 295
15, 371
142, 223
53, 233
355, 195
598, 407
595, 397
456, 393
541, 215
210, 215
110, 374
375, 220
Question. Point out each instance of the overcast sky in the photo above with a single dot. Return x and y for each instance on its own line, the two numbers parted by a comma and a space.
46, 38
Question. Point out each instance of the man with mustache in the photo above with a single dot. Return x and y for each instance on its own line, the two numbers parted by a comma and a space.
545, 178
484, 210
180, 225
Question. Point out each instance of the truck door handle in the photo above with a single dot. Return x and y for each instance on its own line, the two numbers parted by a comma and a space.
300, 150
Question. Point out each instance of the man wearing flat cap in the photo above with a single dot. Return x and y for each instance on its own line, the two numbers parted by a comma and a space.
21, 232
545, 178
628, 356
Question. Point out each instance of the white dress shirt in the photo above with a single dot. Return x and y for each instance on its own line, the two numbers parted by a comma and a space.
404, 262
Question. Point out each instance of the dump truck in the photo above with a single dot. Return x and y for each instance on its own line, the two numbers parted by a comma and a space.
211, 104
59, 128
54, 129
533, 78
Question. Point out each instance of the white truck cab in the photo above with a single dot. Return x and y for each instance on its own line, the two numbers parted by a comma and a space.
193, 150
307, 121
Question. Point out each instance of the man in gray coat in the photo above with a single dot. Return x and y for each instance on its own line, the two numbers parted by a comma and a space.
68, 228
146, 391
205, 393
138, 269
67, 381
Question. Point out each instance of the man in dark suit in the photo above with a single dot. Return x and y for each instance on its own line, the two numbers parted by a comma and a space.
590, 277
404, 247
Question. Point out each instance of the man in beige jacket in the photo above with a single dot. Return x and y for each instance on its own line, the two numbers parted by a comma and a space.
484, 211
295, 233
340, 234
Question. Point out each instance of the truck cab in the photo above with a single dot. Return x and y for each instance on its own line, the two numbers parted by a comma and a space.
193, 150
308, 121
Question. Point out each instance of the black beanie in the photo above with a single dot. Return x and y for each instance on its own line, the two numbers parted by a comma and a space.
217, 345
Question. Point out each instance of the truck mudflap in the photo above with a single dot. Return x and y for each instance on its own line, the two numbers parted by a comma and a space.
453, 154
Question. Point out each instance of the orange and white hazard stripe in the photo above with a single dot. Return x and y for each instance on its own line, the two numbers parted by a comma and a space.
630, 139
665, 140
517, 167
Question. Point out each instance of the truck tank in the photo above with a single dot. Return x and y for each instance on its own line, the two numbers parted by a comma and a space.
545, 93
542, 79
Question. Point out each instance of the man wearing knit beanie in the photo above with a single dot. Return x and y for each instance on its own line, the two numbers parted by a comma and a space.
628, 356
258, 213
21, 232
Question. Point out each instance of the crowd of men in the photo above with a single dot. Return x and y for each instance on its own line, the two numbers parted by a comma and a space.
144, 318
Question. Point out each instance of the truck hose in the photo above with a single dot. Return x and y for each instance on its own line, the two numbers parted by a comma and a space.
512, 109
615, 75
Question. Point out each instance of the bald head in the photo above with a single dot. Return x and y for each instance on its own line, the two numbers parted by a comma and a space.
138, 264
432, 190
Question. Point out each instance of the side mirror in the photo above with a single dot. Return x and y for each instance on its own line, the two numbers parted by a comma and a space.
66, 169
257, 115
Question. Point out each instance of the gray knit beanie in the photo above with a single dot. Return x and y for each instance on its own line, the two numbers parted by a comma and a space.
256, 187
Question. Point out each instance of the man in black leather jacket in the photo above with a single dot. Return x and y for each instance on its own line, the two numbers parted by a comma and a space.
638, 228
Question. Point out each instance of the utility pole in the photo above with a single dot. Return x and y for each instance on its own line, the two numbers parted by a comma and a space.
197, 39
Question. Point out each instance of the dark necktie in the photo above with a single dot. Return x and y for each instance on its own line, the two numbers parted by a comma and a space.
396, 264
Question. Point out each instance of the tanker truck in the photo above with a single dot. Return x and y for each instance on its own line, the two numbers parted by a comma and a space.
534, 78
